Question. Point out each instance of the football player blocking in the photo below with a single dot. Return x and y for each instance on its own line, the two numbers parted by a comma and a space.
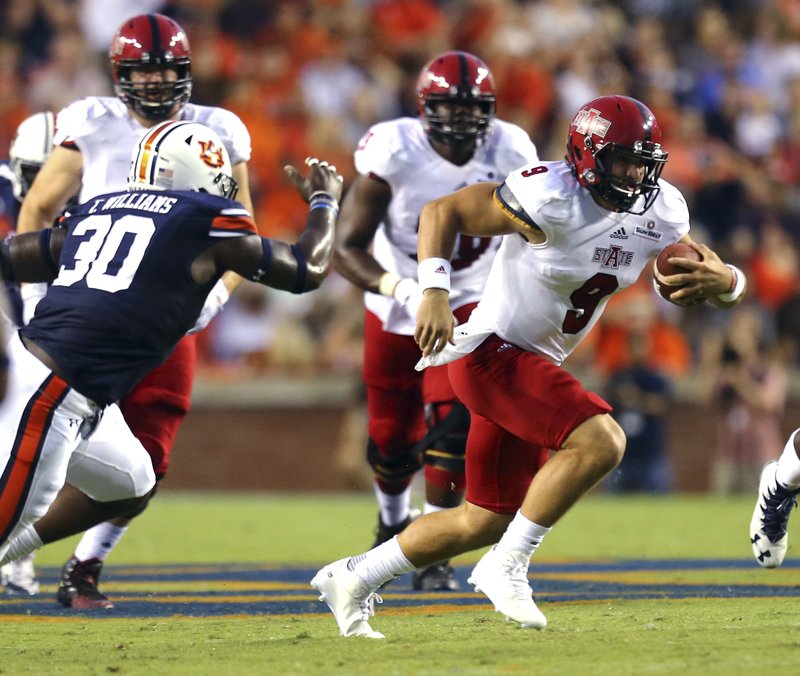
552, 276
414, 418
150, 62
130, 273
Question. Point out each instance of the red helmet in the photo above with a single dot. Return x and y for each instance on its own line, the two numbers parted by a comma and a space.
154, 42
456, 78
612, 125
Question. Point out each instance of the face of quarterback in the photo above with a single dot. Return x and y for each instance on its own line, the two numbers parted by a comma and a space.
627, 172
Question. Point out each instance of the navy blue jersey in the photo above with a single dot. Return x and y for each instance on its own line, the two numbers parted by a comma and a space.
124, 294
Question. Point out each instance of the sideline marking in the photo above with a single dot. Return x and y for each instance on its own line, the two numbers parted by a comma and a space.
245, 590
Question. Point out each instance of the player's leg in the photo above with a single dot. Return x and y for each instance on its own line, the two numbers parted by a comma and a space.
777, 496
153, 411
538, 402
42, 421
395, 422
443, 449
498, 476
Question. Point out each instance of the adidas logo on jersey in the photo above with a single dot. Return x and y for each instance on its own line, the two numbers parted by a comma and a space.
619, 234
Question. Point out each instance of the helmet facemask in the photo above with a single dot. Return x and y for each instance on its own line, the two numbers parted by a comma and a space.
155, 101
458, 121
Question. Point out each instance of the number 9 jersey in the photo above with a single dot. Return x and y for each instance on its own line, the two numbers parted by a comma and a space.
589, 253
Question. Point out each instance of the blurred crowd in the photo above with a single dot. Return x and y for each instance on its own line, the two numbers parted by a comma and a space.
311, 76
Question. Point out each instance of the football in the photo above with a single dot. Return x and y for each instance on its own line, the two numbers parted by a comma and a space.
664, 267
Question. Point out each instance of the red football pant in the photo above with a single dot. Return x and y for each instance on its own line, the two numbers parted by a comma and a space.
156, 407
520, 404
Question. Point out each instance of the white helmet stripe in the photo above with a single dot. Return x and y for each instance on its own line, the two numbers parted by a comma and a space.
147, 151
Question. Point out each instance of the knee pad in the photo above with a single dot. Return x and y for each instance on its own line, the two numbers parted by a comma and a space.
393, 469
446, 441
142, 505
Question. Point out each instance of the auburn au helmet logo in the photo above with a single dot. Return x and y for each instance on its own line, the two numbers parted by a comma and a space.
211, 155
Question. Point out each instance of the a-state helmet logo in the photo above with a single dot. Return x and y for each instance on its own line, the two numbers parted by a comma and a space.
211, 155
614, 257
589, 122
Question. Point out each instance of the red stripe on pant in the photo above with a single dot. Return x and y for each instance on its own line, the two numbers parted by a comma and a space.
18, 475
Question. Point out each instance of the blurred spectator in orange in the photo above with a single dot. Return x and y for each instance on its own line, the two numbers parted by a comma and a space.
410, 28
773, 268
637, 311
13, 107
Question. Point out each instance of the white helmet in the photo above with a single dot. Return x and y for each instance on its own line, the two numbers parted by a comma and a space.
30, 147
182, 156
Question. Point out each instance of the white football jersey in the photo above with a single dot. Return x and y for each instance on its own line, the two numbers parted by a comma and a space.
105, 132
546, 297
398, 151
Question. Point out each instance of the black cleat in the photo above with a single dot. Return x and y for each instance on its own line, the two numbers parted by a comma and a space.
438, 577
78, 585
385, 533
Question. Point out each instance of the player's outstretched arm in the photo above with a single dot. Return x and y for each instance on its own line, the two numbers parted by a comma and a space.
298, 267
33, 256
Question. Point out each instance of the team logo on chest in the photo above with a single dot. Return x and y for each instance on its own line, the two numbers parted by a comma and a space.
614, 257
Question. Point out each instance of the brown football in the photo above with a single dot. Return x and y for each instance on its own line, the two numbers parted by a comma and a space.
677, 250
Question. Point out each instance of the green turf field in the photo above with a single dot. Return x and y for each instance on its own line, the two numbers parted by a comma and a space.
662, 633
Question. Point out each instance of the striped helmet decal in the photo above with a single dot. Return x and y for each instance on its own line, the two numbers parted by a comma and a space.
144, 165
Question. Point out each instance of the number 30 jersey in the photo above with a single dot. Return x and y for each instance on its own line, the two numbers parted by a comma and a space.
399, 152
124, 294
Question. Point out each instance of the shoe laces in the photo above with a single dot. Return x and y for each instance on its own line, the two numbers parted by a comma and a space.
367, 606
778, 504
517, 574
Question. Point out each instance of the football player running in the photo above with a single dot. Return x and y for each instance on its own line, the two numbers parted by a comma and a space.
130, 274
151, 66
573, 233
414, 418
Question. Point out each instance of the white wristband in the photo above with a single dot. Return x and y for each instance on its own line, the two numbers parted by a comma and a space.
387, 284
434, 273
738, 286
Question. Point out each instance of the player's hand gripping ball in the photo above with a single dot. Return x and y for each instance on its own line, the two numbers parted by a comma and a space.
664, 268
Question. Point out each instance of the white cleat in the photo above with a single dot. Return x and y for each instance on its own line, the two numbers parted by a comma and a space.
19, 577
503, 577
768, 534
349, 599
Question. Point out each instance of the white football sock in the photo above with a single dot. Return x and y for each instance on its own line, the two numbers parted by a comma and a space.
98, 541
24, 543
788, 473
394, 508
522, 535
379, 565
